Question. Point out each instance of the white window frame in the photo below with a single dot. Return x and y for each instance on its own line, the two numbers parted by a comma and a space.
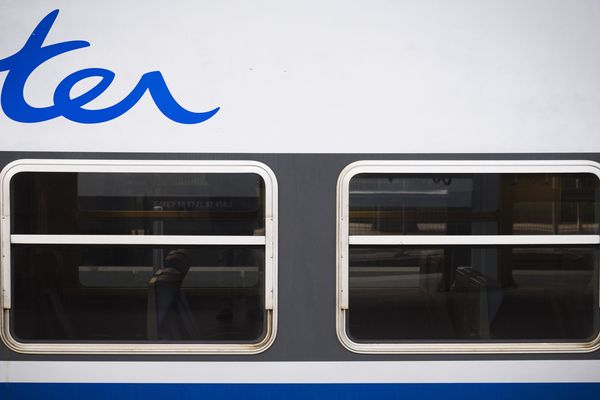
269, 241
344, 240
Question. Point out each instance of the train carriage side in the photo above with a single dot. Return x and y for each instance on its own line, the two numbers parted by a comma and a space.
314, 200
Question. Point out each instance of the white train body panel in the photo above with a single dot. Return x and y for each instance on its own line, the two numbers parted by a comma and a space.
322, 77
305, 88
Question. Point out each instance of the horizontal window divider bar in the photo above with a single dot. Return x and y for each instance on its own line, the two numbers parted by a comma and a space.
159, 240
474, 240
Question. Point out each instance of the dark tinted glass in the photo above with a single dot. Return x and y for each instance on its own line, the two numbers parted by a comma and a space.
137, 204
129, 293
474, 204
472, 293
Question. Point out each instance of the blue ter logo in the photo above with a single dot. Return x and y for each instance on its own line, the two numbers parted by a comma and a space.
21, 64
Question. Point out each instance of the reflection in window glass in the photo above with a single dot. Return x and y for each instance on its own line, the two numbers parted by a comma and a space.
404, 293
474, 204
138, 293
99, 259
137, 204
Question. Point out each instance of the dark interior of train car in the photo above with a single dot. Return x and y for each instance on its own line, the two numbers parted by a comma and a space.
148, 293
473, 292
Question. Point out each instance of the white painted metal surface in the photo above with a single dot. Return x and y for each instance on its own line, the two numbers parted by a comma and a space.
140, 240
479, 371
333, 76
475, 240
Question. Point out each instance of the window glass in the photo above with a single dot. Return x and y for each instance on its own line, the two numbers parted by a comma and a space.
193, 293
466, 261
123, 262
137, 204
472, 293
474, 204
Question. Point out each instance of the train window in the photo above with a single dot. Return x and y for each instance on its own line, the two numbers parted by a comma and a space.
137, 204
469, 257
139, 257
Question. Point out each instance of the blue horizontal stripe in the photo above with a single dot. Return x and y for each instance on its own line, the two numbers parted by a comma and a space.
491, 391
